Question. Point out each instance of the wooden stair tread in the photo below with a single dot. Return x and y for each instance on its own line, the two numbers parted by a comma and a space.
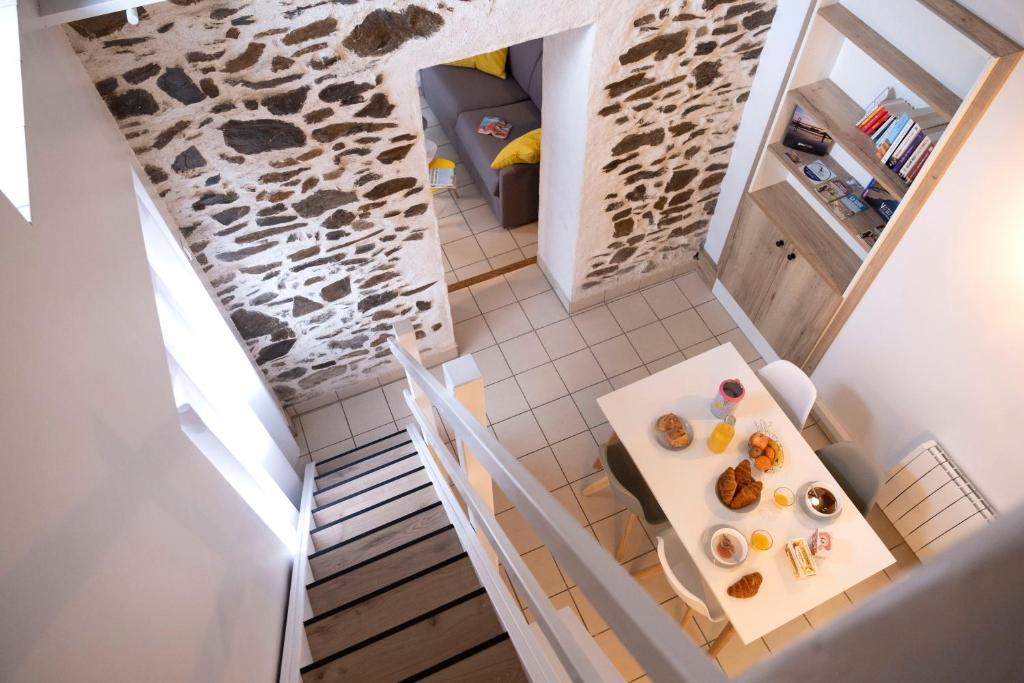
333, 560
398, 605
423, 552
366, 480
360, 467
971, 25
809, 234
416, 647
402, 483
498, 663
361, 452
362, 521
929, 88
834, 110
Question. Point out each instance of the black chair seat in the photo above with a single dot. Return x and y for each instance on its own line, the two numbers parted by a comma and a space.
622, 467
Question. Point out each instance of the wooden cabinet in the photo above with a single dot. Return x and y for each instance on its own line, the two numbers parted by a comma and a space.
785, 270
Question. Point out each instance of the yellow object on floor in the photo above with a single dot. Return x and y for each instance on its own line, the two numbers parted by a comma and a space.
525, 149
492, 63
435, 163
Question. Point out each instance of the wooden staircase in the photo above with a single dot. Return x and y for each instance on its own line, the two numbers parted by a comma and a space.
394, 595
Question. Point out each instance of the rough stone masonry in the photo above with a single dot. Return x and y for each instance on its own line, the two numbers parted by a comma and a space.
273, 132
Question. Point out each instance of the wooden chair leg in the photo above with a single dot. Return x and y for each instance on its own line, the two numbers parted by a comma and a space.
722, 640
646, 572
597, 464
686, 615
620, 551
599, 485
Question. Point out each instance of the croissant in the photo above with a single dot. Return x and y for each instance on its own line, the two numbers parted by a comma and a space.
678, 438
669, 422
743, 473
727, 485
746, 494
746, 587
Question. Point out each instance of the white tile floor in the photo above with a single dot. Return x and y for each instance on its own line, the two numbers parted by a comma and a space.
543, 371
471, 239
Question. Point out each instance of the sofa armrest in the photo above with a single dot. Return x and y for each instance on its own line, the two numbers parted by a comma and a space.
519, 194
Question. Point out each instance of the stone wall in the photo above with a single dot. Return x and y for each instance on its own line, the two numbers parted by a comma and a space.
670, 110
285, 139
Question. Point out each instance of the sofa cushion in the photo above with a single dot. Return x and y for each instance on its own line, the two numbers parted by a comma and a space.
451, 90
522, 60
536, 87
479, 150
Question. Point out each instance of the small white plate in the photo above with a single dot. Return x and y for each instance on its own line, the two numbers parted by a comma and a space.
738, 540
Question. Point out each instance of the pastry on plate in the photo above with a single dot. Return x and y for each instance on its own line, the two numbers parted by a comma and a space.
744, 475
746, 494
746, 587
727, 486
669, 422
677, 438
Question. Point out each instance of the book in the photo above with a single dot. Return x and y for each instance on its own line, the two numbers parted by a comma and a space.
492, 125
908, 152
868, 113
893, 133
920, 163
875, 196
846, 206
832, 190
442, 177
875, 121
926, 143
901, 148
879, 134
804, 133
907, 130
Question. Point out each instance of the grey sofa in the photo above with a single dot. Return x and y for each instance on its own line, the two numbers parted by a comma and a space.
460, 97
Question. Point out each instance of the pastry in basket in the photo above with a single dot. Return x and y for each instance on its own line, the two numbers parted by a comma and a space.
669, 423
727, 485
677, 438
746, 494
746, 587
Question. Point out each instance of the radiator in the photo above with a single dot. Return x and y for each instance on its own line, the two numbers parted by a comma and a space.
930, 501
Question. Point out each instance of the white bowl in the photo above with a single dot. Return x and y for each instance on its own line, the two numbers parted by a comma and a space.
812, 502
739, 542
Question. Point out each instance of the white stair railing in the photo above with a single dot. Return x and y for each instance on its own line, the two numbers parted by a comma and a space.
656, 642
295, 652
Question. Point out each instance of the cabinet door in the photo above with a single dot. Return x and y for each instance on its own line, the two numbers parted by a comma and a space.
797, 308
751, 259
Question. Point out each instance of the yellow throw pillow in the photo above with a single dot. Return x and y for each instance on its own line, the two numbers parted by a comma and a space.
525, 149
492, 63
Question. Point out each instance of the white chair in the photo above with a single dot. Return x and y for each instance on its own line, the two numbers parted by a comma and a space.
683, 576
792, 388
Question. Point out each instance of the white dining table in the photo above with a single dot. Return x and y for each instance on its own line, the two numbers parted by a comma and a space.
684, 484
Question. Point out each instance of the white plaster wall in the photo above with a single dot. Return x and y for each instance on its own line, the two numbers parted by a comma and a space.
567, 82
126, 556
780, 45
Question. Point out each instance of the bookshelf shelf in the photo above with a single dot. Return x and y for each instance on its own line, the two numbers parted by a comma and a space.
810, 235
927, 87
855, 225
969, 24
837, 113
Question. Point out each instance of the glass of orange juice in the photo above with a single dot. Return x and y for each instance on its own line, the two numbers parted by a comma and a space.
761, 540
783, 497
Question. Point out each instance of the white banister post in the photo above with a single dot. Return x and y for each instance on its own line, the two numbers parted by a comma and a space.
406, 337
463, 379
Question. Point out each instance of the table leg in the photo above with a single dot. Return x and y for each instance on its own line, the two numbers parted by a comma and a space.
722, 640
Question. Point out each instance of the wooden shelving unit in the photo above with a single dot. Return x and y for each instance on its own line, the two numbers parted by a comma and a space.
856, 225
773, 204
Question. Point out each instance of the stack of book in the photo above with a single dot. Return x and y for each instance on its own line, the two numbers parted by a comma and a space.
904, 137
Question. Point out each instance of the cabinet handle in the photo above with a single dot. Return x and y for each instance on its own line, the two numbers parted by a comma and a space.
791, 256
780, 243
